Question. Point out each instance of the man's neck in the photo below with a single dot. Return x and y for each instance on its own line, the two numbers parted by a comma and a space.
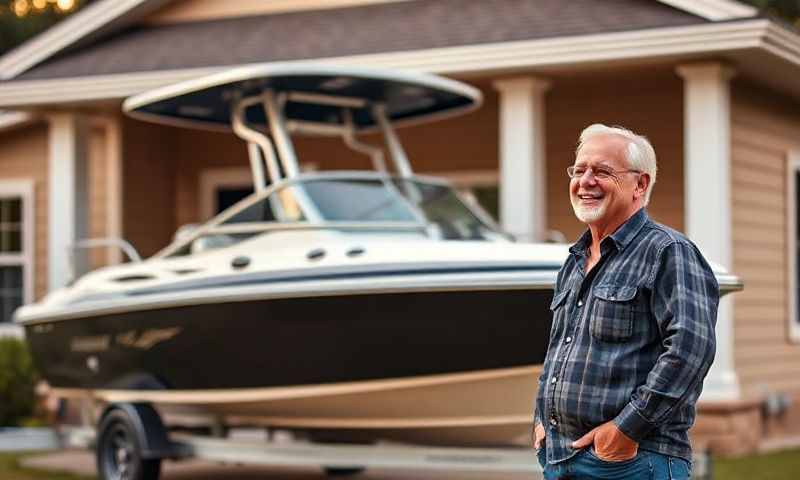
602, 230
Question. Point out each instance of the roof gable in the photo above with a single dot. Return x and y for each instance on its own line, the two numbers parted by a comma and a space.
106, 17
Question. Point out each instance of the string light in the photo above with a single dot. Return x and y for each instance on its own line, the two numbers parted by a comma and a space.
22, 8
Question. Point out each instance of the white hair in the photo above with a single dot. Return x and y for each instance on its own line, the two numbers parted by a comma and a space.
640, 154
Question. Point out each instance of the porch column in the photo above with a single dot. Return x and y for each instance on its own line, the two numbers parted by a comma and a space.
67, 194
708, 218
523, 207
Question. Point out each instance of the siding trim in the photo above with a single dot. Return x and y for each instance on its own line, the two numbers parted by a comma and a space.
793, 165
22, 188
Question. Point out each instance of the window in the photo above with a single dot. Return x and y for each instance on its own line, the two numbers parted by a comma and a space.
16, 249
793, 241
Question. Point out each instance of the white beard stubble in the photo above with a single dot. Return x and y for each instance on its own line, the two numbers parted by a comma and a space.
588, 214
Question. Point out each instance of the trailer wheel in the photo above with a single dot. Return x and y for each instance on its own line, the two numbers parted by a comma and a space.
342, 472
119, 453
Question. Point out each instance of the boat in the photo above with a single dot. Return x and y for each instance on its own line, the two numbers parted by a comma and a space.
342, 305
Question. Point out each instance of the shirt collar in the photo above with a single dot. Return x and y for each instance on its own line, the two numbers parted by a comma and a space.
620, 238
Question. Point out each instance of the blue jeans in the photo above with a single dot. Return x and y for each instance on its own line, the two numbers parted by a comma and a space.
646, 465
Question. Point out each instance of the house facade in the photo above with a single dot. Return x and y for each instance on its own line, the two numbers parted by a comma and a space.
710, 83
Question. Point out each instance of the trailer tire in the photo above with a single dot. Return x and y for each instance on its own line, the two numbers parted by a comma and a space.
119, 451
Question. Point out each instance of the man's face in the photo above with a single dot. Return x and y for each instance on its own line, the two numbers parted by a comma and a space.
609, 200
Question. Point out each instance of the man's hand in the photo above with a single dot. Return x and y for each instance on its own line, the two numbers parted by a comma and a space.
610, 444
538, 436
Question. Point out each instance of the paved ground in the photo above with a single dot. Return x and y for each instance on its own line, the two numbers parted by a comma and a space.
82, 462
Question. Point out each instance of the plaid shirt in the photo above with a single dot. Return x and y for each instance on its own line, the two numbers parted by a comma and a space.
631, 340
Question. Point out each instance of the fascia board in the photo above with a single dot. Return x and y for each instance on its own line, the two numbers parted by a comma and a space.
782, 43
87, 23
474, 59
714, 10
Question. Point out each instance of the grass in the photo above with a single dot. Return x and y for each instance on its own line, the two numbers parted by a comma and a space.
783, 465
11, 470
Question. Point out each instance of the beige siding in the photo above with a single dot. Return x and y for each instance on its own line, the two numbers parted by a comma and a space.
650, 103
23, 155
148, 173
764, 129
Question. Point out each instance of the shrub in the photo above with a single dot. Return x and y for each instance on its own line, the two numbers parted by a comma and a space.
17, 382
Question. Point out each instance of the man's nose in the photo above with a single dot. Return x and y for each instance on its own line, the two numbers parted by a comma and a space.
587, 179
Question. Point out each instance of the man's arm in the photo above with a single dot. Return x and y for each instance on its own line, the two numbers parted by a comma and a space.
685, 297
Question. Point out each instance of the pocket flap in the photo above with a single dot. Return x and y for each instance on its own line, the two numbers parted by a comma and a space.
615, 293
558, 299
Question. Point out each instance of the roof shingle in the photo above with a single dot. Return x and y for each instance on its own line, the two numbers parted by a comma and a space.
388, 27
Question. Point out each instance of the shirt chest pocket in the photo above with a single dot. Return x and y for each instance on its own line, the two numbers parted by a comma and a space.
613, 313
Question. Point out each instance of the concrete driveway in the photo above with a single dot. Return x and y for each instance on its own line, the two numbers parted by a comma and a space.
82, 462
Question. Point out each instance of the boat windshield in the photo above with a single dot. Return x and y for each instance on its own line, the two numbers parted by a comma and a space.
335, 203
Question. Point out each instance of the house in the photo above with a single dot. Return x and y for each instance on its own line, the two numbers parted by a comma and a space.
712, 84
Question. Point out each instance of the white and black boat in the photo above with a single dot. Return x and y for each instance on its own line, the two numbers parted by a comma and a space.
348, 305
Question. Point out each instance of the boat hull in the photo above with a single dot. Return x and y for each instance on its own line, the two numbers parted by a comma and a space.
455, 367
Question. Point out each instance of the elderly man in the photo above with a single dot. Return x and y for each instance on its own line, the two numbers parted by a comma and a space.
633, 327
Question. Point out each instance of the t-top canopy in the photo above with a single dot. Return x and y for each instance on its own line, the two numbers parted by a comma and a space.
207, 102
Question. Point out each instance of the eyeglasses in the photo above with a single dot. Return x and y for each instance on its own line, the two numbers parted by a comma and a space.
600, 172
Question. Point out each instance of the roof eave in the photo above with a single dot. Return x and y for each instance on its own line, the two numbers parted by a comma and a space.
108, 16
464, 60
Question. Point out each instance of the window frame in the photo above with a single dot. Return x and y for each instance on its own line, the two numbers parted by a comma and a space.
24, 190
793, 168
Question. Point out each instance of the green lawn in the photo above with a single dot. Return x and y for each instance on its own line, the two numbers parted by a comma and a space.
10, 470
774, 466
783, 465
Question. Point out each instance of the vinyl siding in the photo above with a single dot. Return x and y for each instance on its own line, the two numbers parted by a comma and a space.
148, 172
765, 128
649, 102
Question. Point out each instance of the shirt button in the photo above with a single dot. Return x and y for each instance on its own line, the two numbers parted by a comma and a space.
580, 303
553, 422
568, 339
553, 380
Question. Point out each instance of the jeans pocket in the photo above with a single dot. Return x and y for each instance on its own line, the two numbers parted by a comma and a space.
593, 453
679, 469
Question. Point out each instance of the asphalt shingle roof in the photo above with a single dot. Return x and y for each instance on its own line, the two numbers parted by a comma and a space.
387, 27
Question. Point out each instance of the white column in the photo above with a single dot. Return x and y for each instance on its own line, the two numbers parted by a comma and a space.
708, 217
67, 193
523, 198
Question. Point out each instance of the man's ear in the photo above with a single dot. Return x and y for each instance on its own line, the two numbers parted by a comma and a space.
641, 185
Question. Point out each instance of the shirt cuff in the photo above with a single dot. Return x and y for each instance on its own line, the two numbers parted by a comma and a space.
632, 423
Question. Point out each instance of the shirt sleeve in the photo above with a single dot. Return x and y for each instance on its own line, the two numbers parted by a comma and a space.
684, 302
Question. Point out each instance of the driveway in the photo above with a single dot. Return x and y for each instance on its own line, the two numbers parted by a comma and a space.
82, 462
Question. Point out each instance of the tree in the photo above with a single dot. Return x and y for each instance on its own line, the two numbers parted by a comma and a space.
788, 10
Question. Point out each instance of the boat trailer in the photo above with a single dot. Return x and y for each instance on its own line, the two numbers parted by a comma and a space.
131, 441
